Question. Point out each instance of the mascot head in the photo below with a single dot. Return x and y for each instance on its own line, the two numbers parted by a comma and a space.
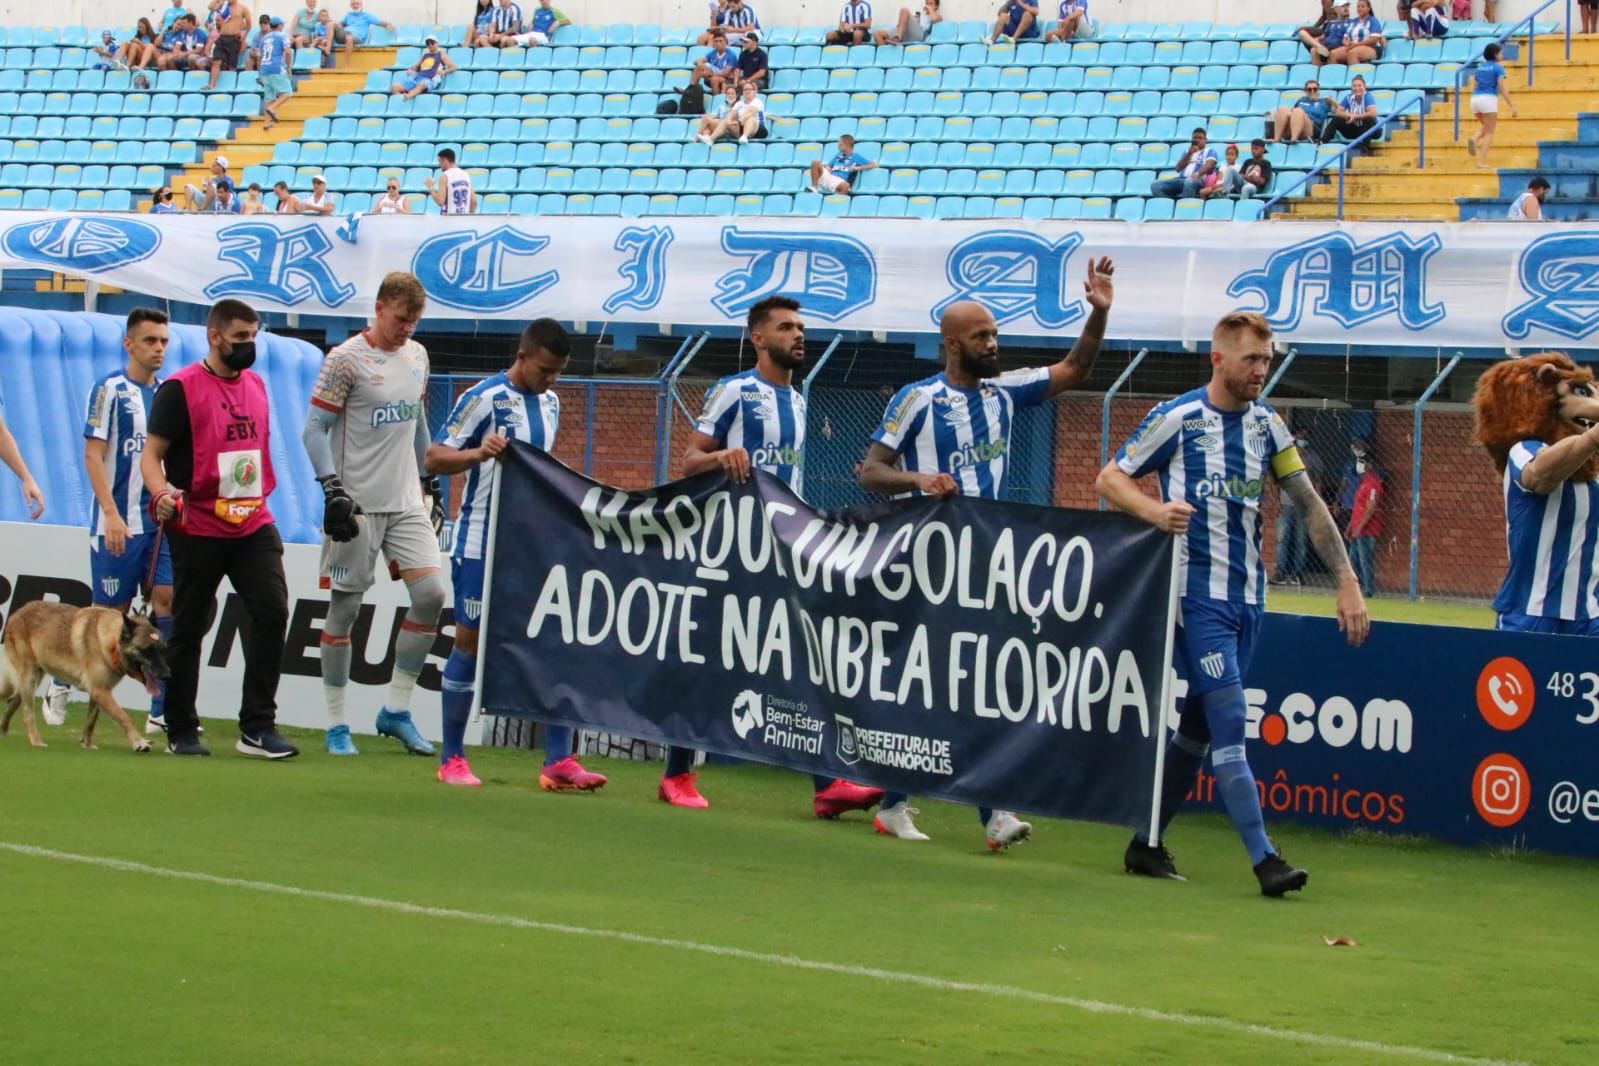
1543, 397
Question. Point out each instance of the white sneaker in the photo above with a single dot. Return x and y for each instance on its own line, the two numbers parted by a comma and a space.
704, 138
154, 725
1005, 829
896, 821
743, 140
55, 703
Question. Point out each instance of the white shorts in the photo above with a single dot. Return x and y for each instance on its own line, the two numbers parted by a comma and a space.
831, 182
406, 539
1484, 104
531, 37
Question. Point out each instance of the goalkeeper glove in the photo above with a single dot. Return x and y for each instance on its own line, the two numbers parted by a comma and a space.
434, 501
339, 511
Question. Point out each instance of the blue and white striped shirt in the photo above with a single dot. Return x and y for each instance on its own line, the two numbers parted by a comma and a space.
1215, 461
507, 18
493, 405
768, 421
851, 14
1554, 545
938, 428
116, 411
739, 21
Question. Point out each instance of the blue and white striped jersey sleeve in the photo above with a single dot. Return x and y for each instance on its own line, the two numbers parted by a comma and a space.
1520, 456
101, 413
1285, 458
721, 408
903, 419
471, 416
1152, 444
1026, 388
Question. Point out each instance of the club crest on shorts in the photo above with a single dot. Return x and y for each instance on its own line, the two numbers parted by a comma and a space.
472, 608
339, 573
1214, 664
848, 751
110, 586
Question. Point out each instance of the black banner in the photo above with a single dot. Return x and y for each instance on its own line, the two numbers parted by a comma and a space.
977, 651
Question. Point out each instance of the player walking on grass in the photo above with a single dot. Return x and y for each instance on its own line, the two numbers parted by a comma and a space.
366, 435
1212, 449
756, 420
518, 404
127, 552
949, 435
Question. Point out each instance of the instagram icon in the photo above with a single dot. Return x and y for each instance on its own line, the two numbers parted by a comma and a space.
1500, 789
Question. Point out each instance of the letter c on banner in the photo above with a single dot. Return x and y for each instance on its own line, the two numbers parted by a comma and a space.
484, 272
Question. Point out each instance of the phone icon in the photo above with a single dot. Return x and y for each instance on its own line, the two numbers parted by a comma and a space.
1505, 693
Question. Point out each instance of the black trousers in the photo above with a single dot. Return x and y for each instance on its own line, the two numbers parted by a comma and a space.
1346, 128
254, 564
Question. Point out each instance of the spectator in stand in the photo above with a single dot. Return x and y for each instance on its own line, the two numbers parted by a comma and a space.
839, 175
320, 202
453, 190
751, 66
161, 201
251, 204
1310, 36
357, 26
220, 200
1073, 14
1528, 207
252, 43
912, 27
1255, 172
391, 202
288, 203
107, 53
172, 15
426, 73
721, 108
200, 197
1196, 164
717, 8
1590, 15
233, 22
1332, 38
506, 26
188, 47
303, 29
734, 18
1427, 19
1225, 179
276, 85
1355, 114
541, 28
854, 24
1304, 120
1365, 523
717, 67
140, 50
1363, 39
323, 38
482, 24
1017, 21
1490, 85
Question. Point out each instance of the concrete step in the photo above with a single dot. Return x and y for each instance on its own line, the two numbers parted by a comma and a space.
1430, 210
1509, 134
1450, 158
1386, 190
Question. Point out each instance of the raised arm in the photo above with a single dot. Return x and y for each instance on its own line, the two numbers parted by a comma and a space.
1323, 532
1554, 463
1099, 291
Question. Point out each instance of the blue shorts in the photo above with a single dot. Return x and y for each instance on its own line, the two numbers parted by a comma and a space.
1527, 623
411, 81
467, 577
117, 578
1216, 642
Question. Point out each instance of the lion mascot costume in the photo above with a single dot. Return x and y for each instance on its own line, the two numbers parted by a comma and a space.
1539, 419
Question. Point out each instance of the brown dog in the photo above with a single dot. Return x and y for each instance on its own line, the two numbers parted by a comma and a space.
90, 648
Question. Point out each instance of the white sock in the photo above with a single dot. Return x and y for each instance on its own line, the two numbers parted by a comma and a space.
335, 697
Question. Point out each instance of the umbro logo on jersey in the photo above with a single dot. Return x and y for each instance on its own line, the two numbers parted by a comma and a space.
1207, 443
1214, 664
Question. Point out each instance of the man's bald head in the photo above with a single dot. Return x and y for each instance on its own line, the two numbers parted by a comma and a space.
971, 340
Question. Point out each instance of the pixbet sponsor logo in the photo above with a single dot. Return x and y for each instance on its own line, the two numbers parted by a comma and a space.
395, 413
776, 722
133, 445
1229, 488
972, 454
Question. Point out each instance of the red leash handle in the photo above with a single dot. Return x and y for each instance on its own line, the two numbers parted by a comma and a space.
176, 496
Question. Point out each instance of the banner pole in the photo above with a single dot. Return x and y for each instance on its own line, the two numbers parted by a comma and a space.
1165, 693
488, 583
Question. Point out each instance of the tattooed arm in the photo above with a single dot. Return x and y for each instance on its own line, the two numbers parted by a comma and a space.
1323, 533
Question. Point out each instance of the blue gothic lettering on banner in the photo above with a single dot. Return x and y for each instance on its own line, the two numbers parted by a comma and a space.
1561, 273
283, 265
1336, 277
90, 245
832, 276
483, 272
351, 227
1014, 274
645, 269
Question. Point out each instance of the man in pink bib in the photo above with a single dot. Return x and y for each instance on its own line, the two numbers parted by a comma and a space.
207, 464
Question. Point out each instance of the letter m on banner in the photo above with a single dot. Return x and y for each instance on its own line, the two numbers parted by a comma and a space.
1334, 276
830, 275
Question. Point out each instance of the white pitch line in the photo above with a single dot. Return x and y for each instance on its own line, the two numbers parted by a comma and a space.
793, 962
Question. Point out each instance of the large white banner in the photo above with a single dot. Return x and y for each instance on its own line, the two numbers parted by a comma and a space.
52, 562
1380, 283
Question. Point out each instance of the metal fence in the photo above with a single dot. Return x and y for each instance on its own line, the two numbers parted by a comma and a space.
1439, 528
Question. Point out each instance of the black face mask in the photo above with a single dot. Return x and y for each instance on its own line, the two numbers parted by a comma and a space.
240, 356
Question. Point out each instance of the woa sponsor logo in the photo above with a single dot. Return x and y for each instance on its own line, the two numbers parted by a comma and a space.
484, 272
82, 245
1334, 276
1014, 274
286, 266
1561, 275
832, 276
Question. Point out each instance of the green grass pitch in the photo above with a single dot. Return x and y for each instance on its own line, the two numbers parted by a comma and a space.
1459, 953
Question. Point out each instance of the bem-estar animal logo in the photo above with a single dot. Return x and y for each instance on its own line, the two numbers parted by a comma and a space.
747, 714
395, 413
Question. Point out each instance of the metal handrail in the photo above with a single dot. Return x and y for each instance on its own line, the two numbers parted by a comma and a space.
1104, 411
1415, 474
1465, 69
1382, 124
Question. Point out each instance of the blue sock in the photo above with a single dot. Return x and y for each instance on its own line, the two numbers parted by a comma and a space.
891, 799
984, 814
679, 761
158, 702
1225, 710
557, 743
459, 673
1184, 757
820, 782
